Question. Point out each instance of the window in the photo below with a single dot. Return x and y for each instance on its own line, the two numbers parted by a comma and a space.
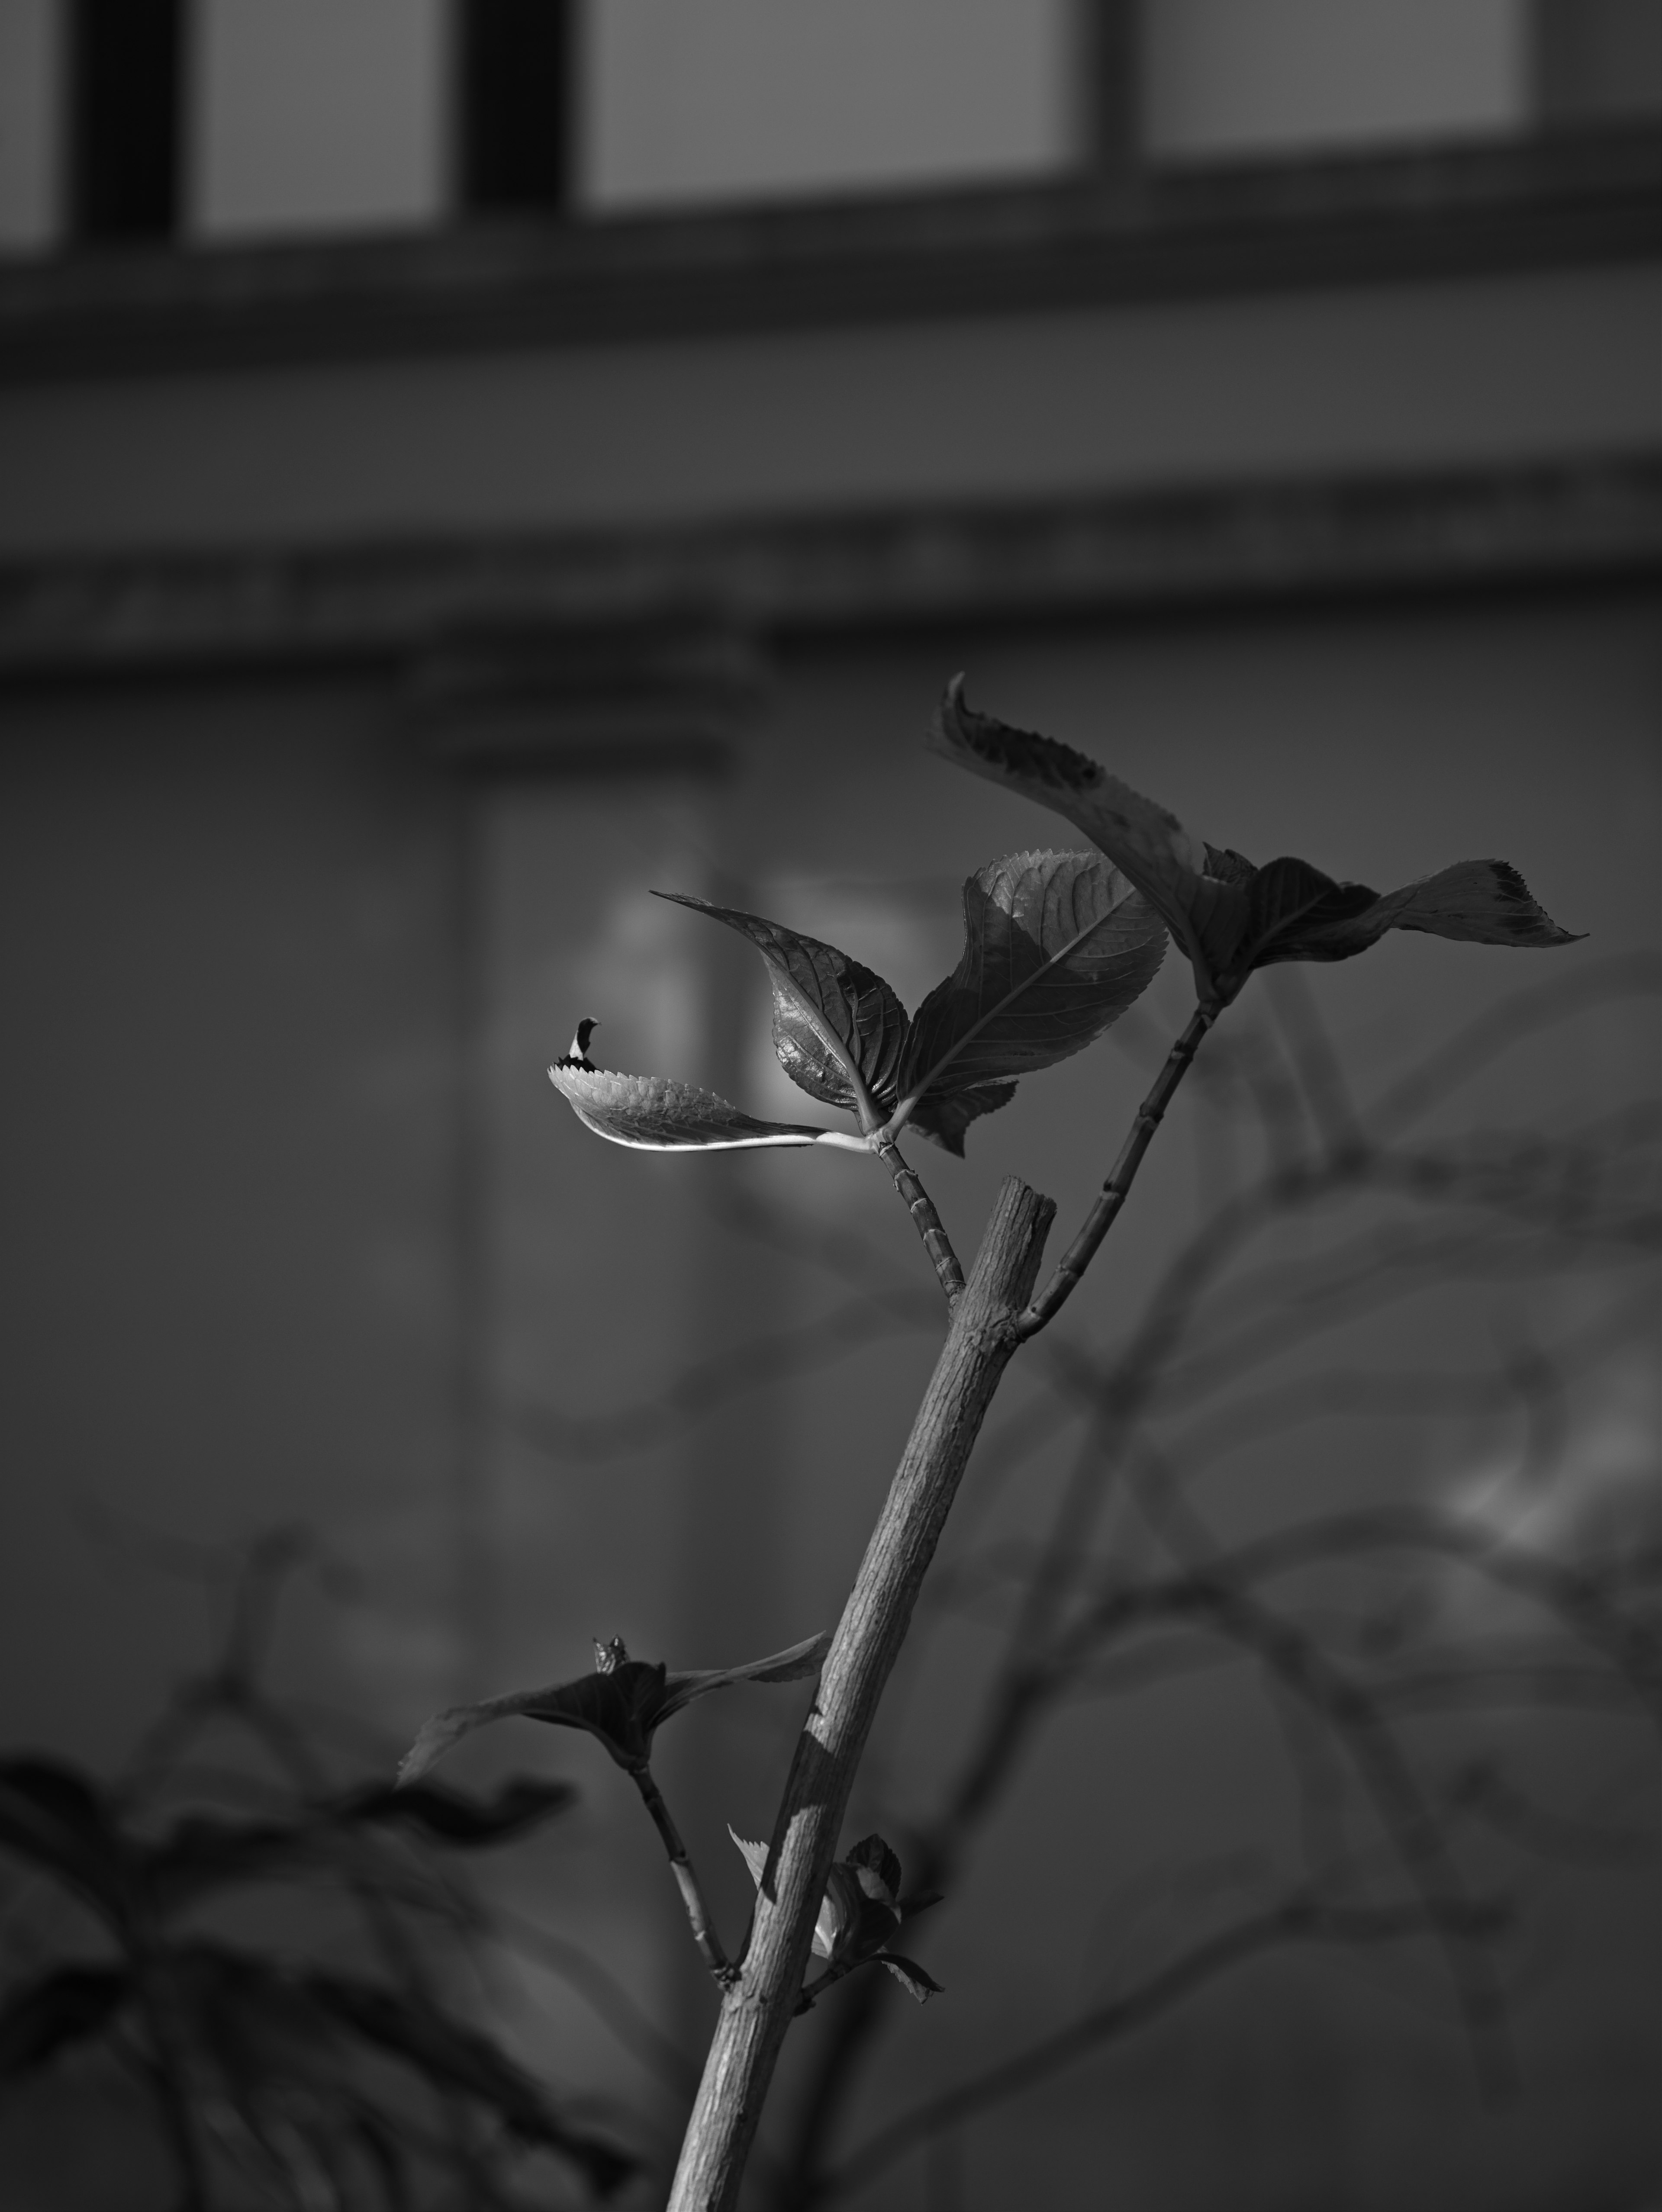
125, 84
514, 89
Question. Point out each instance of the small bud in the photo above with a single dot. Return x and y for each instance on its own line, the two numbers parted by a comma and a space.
576, 1053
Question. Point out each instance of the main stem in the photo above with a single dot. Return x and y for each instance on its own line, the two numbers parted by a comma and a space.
757, 2006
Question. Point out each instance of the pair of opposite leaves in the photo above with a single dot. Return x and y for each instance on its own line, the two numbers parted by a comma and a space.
623, 1703
1057, 946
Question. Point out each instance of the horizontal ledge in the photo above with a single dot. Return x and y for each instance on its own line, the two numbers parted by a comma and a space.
1161, 231
1253, 543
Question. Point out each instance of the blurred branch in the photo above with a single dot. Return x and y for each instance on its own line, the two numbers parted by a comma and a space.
1301, 1919
1593, 984
774, 1356
1373, 1225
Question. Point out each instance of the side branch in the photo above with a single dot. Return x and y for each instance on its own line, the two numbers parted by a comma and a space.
703, 1928
921, 1206
1101, 1219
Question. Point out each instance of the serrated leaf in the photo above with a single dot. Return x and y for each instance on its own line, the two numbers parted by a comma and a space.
838, 1027
1057, 946
622, 1706
912, 1978
945, 1120
1229, 916
1474, 902
654, 1113
1291, 905
857, 1912
1165, 861
69, 2006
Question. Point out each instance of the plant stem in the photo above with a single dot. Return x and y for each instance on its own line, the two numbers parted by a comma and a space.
1096, 1223
758, 2005
928, 1224
703, 1928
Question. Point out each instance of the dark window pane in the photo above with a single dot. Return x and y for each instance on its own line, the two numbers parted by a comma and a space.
124, 124
1107, 83
516, 103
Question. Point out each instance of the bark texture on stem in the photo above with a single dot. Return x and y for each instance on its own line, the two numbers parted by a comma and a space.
757, 2008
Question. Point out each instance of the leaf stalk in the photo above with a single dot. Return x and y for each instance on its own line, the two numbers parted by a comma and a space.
928, 1224
722, 1968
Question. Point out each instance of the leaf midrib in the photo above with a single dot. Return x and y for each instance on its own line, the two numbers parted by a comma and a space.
909, 1105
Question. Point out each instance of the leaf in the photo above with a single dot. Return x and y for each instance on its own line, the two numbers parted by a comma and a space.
1057, 946
910, 1975
1291, 905
945, 1120
871, 1852
755, 1855
838, 1027
794, 1664
68, 2006
1230, 917
1474, 902
622, 1705
654, 1113
50, 1815
1165, 861
857, 1913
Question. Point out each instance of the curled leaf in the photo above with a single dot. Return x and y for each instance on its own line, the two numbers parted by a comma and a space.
859, 1913
838, 1029
1167, 863
1057, 946
912, 1978
1229, 916
654, 1114
1474, 902
622, 1705
944, 1116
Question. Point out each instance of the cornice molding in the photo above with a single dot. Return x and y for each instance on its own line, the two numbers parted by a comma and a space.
1250, 545
1148, 233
